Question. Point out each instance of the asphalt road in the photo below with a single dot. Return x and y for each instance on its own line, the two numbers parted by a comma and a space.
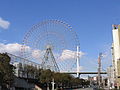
84, 89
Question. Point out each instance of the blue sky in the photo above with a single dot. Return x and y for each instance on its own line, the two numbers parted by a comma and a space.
91, 19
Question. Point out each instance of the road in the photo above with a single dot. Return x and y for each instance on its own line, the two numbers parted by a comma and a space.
84, 89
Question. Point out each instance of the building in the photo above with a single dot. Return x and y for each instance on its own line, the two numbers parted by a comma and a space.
18, 69
22, 81
116, 52
24, 70
25, 74
93, 80
111, 79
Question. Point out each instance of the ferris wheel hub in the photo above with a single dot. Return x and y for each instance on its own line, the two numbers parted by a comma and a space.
49, 46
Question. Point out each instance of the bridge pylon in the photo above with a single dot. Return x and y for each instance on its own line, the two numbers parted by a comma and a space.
78, 61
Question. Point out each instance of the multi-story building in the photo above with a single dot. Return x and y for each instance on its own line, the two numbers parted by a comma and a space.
19, 69
111, 79
116, 53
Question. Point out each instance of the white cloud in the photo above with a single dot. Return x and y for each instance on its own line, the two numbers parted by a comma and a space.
4, 24
67, 60
13, 48
37, 54
10, 48
68, 55
22, 51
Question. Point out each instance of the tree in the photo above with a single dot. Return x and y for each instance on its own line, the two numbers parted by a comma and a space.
62, 80
31, 71
6, 71
46, 76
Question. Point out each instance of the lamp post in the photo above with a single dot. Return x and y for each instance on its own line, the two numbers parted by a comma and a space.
53, 84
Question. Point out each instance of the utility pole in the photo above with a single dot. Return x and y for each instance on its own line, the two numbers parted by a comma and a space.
99, 69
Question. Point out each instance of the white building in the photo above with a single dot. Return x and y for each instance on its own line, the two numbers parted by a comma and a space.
110, 74
18, 70
116, 45
116, 52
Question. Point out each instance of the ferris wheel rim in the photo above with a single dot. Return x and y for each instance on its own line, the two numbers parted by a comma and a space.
33, 28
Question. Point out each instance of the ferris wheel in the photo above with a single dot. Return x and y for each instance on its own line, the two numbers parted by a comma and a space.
51, 43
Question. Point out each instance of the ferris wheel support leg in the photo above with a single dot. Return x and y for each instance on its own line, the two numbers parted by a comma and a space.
78, 67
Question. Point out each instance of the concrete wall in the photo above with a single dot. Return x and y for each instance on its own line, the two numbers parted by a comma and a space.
23, 83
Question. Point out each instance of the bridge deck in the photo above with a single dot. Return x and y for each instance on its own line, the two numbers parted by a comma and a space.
84, 72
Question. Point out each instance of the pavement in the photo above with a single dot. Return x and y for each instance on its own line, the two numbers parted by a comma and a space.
89, 89
84, 89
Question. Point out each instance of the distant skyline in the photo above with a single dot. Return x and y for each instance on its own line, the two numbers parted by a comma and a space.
91, 19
